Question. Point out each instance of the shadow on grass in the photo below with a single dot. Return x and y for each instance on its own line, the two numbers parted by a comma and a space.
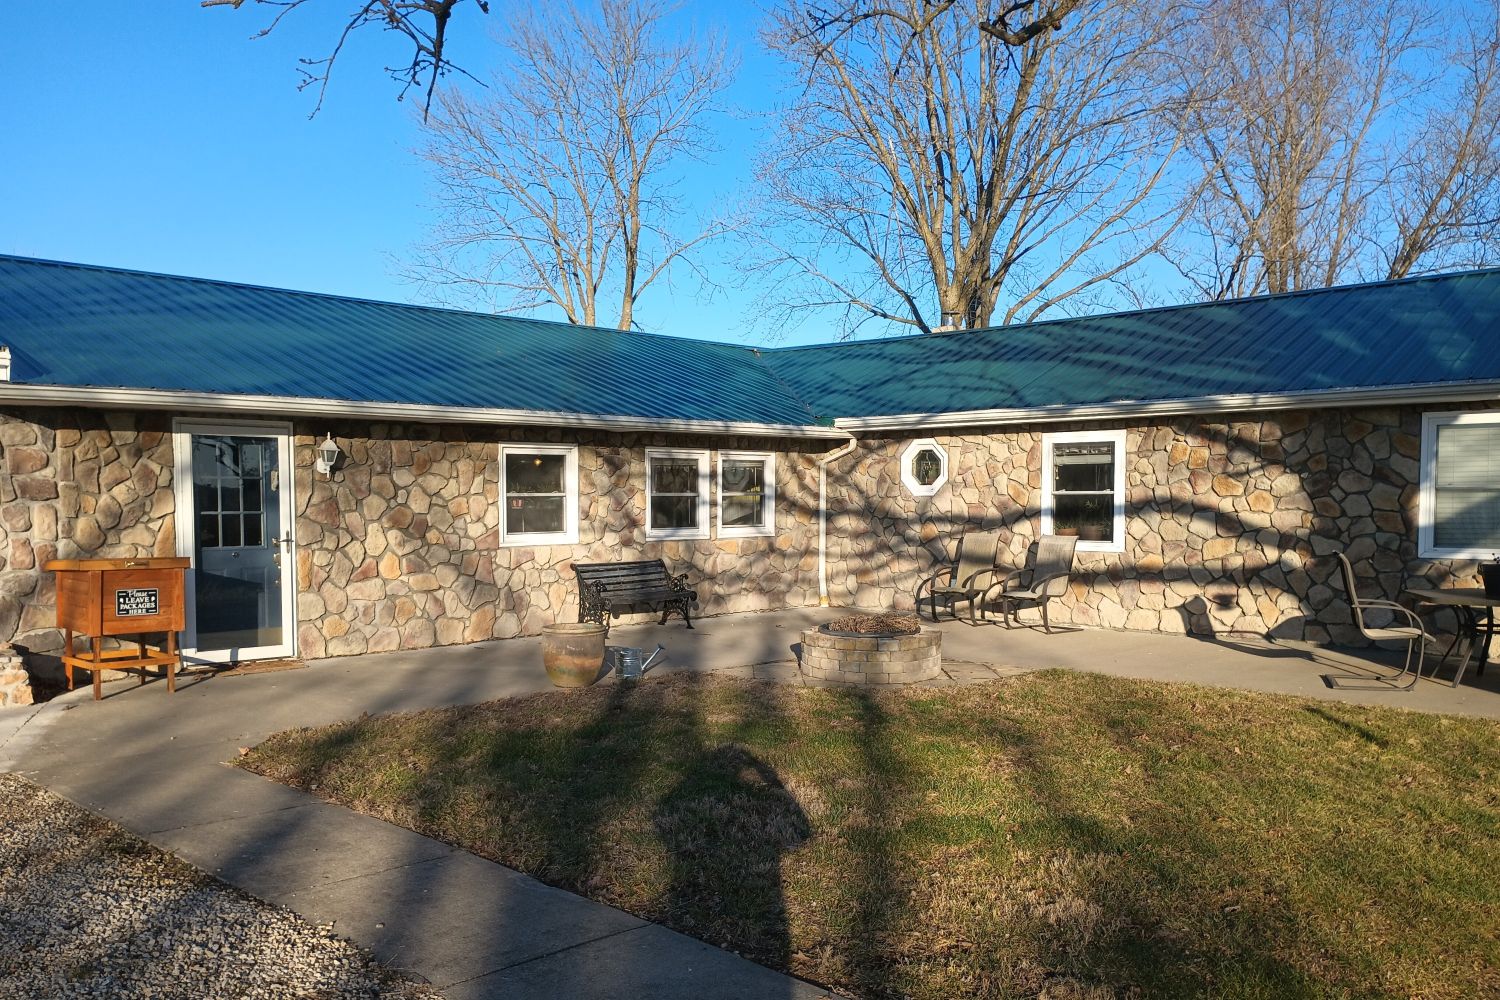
1365, 733
1066, 835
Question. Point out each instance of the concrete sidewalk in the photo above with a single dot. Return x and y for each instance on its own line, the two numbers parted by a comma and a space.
155, 764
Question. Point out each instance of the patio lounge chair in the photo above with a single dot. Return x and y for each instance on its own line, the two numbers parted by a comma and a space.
965, 580
1048, 578
1413, 634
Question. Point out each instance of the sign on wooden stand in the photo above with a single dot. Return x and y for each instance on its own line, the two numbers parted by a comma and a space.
124, 599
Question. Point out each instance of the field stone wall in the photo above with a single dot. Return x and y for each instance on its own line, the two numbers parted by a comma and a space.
400, 547
75, 484
1230, 523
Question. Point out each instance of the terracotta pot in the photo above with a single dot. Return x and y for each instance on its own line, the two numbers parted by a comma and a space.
573, 654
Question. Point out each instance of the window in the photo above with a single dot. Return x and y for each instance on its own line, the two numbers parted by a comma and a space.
747, 495
539, 493
228, 483
676, 494
924, 467
1459, 516
1083, 488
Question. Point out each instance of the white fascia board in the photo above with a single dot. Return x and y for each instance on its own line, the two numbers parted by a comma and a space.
15, 393
1437, 392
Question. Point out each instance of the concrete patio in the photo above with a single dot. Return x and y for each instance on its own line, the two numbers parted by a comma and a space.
154, 763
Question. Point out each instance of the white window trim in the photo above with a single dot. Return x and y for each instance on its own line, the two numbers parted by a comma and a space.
1116, 438
767, 527
913, 487
1427, 486
569, 534
667, 534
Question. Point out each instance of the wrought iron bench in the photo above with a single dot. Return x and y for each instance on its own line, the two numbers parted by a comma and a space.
605, 589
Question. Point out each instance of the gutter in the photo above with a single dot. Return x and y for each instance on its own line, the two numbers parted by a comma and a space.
823, 463
1432, 392
14, 393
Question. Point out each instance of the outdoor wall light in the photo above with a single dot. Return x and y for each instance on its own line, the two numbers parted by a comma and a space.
328, 456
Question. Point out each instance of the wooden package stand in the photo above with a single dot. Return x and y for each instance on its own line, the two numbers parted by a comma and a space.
120, 598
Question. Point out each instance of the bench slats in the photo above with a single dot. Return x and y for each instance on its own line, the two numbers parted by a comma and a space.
604, 588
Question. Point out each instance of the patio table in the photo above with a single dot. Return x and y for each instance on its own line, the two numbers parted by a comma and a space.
1476, 620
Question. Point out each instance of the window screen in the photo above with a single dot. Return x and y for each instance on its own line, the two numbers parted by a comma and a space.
1083, 490
536, 493
674, 493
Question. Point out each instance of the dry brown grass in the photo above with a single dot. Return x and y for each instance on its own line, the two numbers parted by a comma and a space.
1059, 835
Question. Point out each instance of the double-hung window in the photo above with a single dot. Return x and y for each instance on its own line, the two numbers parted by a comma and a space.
539, 495
1459, 517
676, 493
747, 494
1083, 488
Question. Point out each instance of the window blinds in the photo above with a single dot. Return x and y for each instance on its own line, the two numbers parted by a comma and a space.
1466, 487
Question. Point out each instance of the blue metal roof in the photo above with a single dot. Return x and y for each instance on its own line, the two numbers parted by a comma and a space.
1437, 329
71, 324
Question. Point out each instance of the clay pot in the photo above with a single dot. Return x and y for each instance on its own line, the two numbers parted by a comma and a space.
573, 654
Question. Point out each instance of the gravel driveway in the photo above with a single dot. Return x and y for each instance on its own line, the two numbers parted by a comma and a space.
87, 910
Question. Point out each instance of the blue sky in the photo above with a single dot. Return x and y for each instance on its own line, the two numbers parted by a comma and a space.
158, 136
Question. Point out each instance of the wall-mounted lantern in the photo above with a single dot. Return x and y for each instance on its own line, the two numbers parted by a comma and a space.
328, 457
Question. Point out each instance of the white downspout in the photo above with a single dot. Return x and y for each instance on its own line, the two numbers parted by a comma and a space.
838, 453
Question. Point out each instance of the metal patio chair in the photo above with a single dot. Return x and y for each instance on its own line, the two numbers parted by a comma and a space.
1047, 578
966, 579
1414, 635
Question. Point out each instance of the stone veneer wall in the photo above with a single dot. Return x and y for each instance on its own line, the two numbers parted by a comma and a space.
400, 548
75, 484
1227, 521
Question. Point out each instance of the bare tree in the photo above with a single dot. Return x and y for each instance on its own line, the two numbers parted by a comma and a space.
932, 173
1444, 207
423, 22
1338, 152
558, 184
1014, 22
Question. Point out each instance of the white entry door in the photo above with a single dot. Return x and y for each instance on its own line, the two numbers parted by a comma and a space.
234, 520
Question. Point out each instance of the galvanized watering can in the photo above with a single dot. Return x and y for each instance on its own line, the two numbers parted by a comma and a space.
627, 663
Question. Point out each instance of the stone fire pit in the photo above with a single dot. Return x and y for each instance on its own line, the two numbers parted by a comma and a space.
872, 649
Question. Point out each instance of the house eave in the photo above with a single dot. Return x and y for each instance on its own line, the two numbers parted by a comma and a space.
1445, 392
97, 397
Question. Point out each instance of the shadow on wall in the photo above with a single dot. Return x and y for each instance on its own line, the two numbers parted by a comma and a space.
1227, 523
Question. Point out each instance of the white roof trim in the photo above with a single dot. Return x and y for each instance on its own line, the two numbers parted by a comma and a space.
16, 393
1436, 392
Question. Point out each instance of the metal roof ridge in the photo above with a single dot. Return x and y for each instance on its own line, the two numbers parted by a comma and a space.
790, 390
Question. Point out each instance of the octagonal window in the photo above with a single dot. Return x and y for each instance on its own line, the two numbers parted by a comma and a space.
924, 467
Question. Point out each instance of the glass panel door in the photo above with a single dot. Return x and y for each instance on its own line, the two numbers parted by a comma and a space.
237, 527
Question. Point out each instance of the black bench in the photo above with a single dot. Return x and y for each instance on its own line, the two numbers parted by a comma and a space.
605, 589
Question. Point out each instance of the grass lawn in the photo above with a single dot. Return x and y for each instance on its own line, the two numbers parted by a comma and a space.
1062, 834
